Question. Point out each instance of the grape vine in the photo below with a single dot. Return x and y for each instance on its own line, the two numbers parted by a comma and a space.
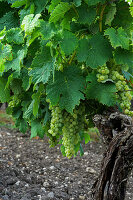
58, 59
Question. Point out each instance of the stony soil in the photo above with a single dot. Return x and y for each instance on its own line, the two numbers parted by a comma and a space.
29, 170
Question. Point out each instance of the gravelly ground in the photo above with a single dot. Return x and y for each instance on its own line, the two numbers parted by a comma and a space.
29, 170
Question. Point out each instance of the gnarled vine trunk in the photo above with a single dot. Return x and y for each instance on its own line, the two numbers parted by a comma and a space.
117, 132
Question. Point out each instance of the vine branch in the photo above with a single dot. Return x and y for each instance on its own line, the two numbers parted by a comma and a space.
101, 17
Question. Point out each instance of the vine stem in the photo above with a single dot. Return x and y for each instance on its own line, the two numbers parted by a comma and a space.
71, 59
101, 16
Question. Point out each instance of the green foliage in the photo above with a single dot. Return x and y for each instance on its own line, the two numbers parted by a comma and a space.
118, 37
97, 51
111, 14
104, 93
5, 22
62, 62
69, 42
66, 89
4, 92
29, 23
59, 12
15, 36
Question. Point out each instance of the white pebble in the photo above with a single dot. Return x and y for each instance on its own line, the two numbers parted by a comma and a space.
91, 170
45, 184
81, 197
52, 168
17, 183
86, 153
51, 195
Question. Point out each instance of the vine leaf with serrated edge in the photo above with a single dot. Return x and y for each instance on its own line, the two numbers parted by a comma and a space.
124, 57
36, 129
67, 88
59, 11
95, 51
42, 66
103, 92
4, 92
111, 14
15, 35
69, 42
30, 22
118, 37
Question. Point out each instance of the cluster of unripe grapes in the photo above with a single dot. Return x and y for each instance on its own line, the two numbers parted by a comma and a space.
14, 101
103, 74
56, 121
73, 124
68, 125
123, 92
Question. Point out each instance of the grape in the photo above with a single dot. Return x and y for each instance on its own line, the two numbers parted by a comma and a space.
14, 101
69, 125
73, 124
56, 121
103, 74
123, 94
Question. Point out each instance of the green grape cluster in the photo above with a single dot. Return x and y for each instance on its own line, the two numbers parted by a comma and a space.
56, 121
73, 124
123, 92
103, 73
14, 101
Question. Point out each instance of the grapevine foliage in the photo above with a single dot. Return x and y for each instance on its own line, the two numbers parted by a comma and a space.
62, 62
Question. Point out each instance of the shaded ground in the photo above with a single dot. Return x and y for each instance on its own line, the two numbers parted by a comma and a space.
29, 170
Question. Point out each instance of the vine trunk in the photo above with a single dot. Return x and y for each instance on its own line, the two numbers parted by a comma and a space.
117, 133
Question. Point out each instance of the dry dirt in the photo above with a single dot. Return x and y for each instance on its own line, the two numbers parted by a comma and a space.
30, 170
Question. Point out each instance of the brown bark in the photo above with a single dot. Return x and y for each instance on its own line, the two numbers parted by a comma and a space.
117, 132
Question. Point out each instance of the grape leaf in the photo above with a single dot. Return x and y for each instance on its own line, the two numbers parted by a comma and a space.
11, 1
69, 42
47, 29
40, 5
53, 4
110, 15
93, 2
23, 126
86, 137
77, 2
103, 92
36, 99
42, 57
127, 75
15, 86
25, 79
66, 89
4, 92
5, 54
42, 74
29, 23
15, 64
131, 9
124, 57
42, 66
36, 102
59, 12
86, 15
81, 150
15, 35
18, 3
5, 22
36, 129
95, 51
28, 112
118, 38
